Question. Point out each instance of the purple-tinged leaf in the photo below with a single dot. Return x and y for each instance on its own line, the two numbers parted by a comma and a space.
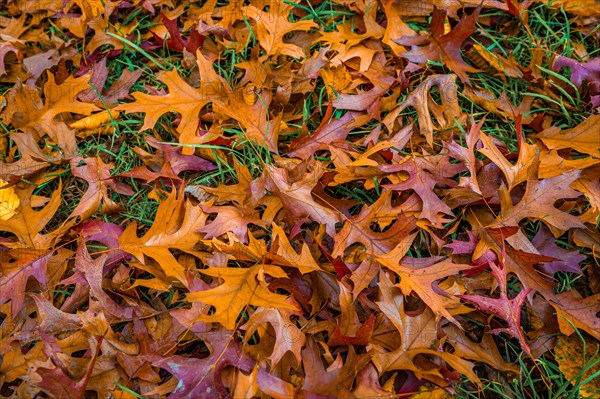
507, 309
580, 71
201, 378
568, 261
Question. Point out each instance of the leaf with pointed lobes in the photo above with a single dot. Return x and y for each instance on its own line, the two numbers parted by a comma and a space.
441, 45
368, 386
92, 270
518, 262
54, 320
97, 174
183, 99
334, 381
369, 267
175, 41
273, 25
422, 180
538, 201
467, 156
480, 261
418, 333
230, 219
515, 173
18, 265
28, 223
583, 313
27, 112
107, 234
421, 99
370, 100
175, 226
282, 253
421, 276
507, 309
167, 163
296, 196
335, 130
484, 351
583, 138
240, 288
358, 228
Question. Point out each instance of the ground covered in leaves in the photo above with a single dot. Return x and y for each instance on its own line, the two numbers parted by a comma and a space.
324, 199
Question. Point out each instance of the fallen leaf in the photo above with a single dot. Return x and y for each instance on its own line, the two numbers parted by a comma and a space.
573, 356
583, 138
9, 201
443, 46
240, 288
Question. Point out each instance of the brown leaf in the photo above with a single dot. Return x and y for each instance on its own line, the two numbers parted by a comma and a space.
288, 337
418, 335
572, 310
273, 25
297, 198
336, 130
538, 201
421, 99
282, 253
98, 176
444, 46
421, 275
483, 351
358, 229
337, 379
58, 99
349, 330
515, 174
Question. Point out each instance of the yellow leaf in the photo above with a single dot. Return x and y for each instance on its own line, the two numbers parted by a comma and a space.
489, 57
569, 356
9, 201
336, 79
429, 392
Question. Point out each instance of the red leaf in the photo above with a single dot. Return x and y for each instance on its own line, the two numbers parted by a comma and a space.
507, 309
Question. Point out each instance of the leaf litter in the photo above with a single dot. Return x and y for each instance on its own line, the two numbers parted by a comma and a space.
322, 199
